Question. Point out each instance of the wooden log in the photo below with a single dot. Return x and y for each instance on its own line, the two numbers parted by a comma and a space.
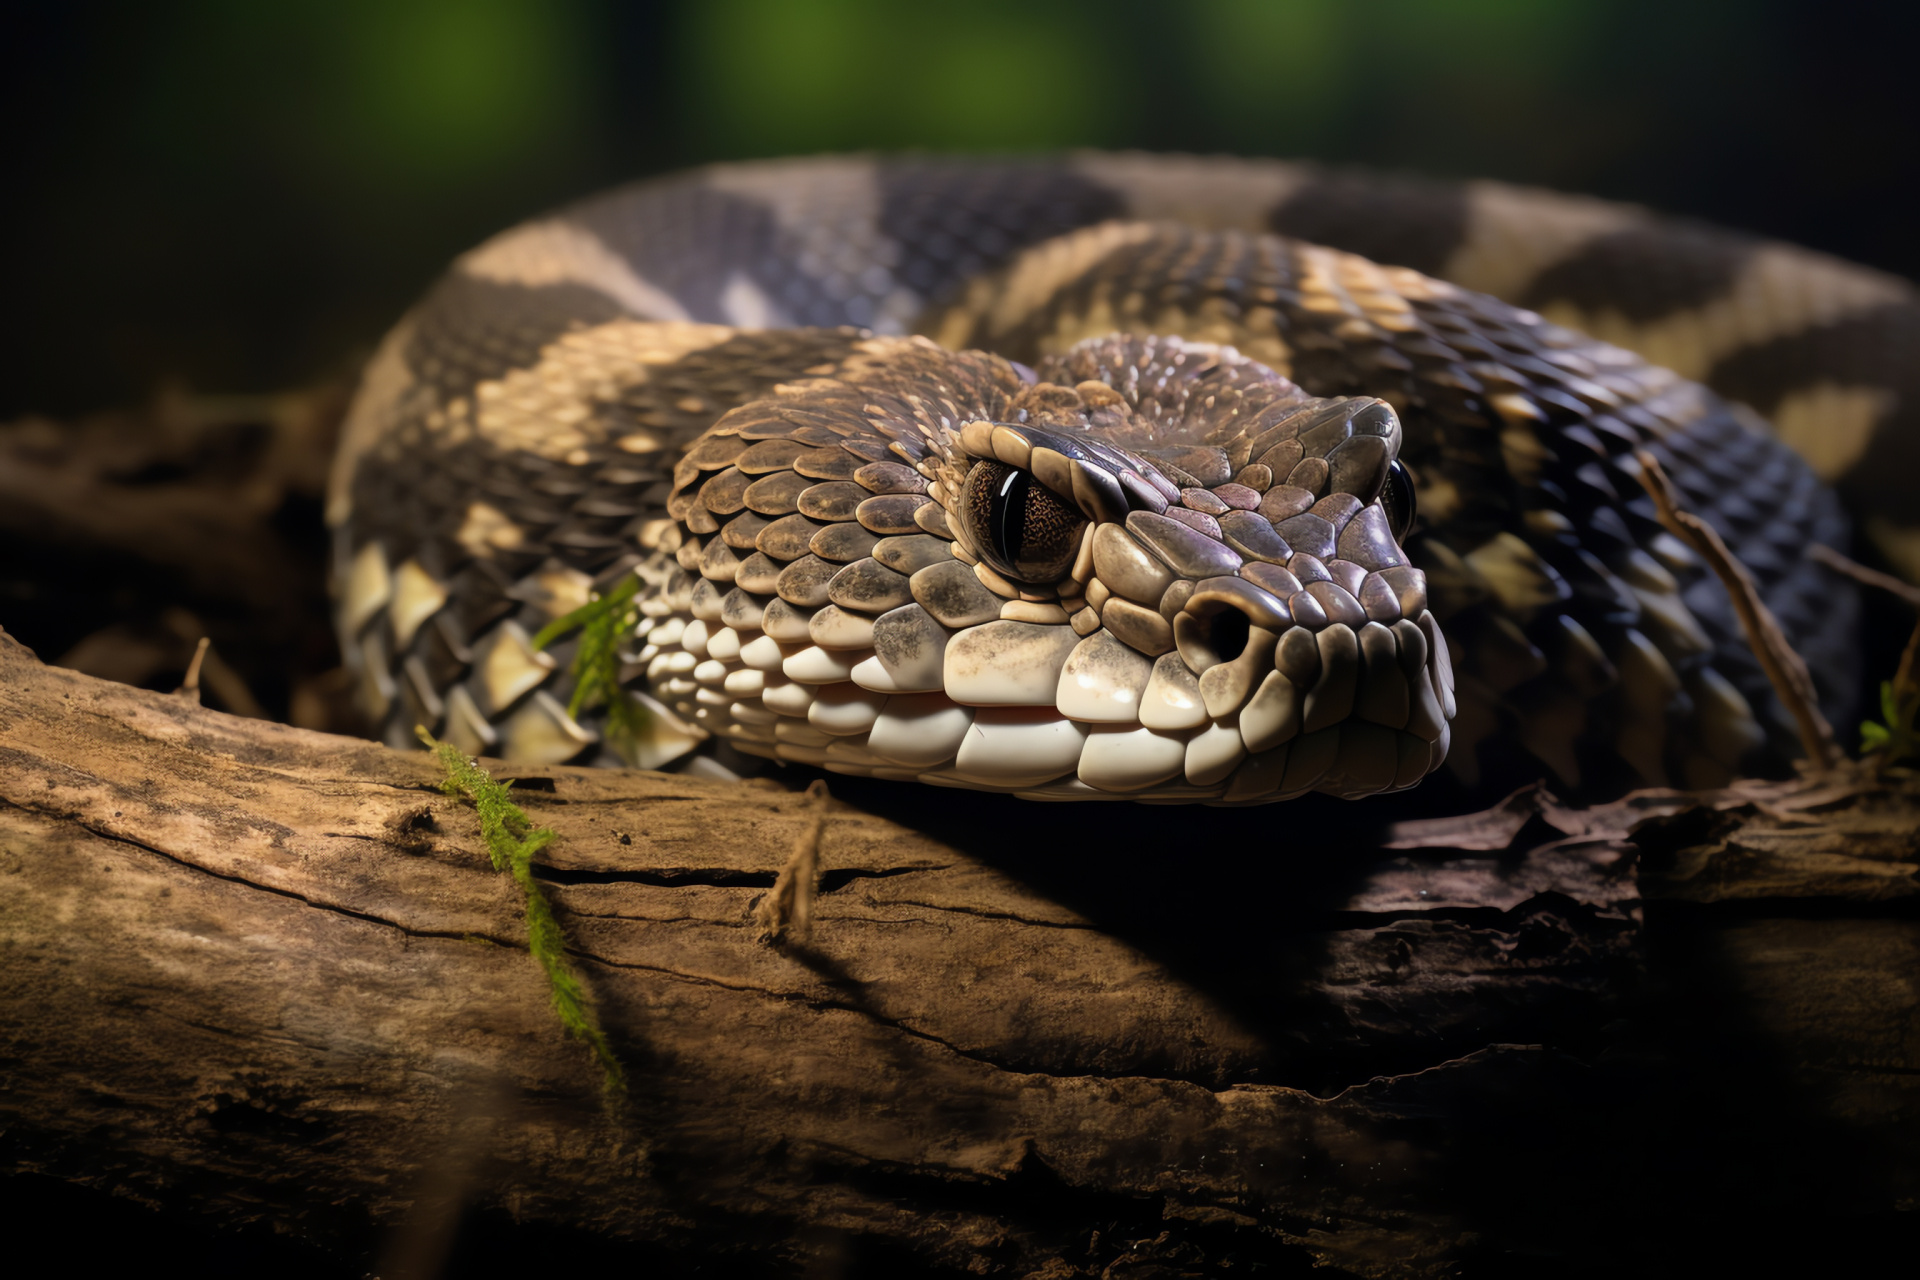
266, 975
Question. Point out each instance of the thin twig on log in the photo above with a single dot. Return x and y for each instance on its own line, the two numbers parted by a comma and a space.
1784, 667
209, 669
1886, 582
788, 906
190, 683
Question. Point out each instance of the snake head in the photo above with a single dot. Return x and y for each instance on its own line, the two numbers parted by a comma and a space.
1247, 618
1144, 568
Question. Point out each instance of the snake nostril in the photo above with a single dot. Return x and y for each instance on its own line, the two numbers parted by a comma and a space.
1227, 636
1212, 635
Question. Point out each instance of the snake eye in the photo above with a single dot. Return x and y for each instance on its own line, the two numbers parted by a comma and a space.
1020, 527
1396, 499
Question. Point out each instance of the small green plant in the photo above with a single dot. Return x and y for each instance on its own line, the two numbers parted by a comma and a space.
512, 841
1895, 736
602, 622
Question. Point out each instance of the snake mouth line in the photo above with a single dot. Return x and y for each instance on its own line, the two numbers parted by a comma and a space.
1342, 710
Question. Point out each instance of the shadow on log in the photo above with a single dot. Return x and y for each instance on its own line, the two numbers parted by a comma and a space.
268, 975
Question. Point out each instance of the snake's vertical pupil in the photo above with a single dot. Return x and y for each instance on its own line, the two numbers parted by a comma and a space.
1021, 527
1396, 498
1009, 516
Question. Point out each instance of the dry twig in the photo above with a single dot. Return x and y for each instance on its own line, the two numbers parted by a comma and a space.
1784, 667
1860, 573
789, 904
190, 683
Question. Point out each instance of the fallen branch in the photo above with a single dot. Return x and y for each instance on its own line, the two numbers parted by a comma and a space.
268, 975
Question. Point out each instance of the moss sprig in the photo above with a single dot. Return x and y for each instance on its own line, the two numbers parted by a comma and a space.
1896, 736
603, 622
511, 841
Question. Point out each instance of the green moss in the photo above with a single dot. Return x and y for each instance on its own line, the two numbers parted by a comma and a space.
603, 622
1895, 736
1895, 733
512, 841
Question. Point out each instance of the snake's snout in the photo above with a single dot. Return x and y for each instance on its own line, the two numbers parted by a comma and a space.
1282, 691
1265, 615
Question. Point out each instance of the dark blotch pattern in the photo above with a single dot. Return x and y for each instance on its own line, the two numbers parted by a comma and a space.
953, 220
1402, 221
1645, 273
471, 331
1868, 350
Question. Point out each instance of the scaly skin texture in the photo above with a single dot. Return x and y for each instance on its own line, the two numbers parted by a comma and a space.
1199, 442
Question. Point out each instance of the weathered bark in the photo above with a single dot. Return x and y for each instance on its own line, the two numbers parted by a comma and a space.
269, 975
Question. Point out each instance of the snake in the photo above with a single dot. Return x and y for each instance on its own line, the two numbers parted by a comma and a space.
1117, 476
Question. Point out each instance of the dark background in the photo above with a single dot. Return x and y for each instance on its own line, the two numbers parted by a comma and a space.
240, 196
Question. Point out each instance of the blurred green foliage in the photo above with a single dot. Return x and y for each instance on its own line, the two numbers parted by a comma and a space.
361, 93
835, 74
244, 194
1259, 75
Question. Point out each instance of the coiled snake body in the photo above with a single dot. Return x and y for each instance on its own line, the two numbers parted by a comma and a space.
1130, 518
